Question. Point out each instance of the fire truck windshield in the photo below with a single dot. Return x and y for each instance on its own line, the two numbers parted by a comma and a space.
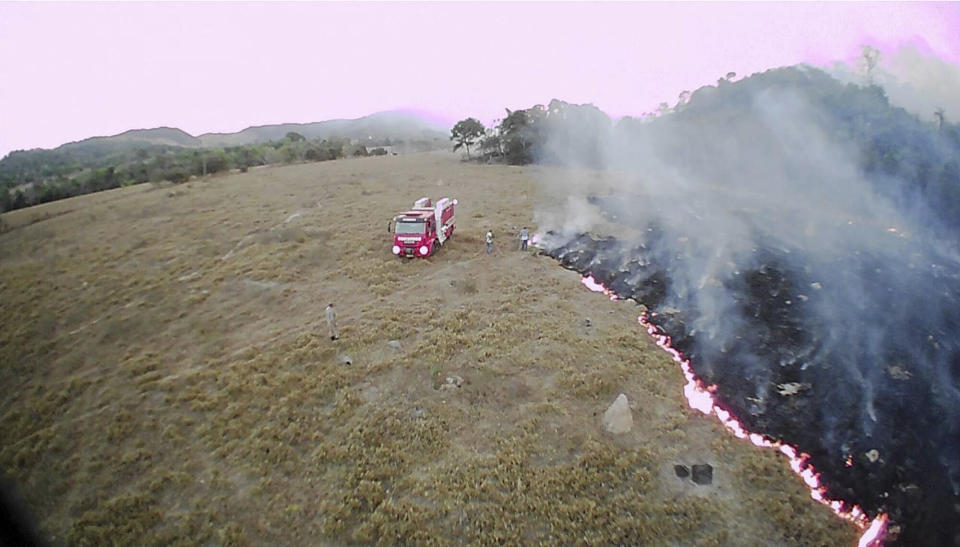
410, 227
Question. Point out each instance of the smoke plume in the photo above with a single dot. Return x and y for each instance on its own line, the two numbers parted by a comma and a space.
794, 235
917, 82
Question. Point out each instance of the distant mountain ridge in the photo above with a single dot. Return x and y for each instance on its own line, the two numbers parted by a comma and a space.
381, 125
392, 125
163, 136
30, 177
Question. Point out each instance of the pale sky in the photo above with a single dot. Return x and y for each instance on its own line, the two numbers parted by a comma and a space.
74, 70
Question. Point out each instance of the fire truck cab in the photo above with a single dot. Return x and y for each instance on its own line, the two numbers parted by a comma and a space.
420, 231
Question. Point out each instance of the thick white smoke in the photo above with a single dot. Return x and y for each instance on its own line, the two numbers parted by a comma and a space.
766, 175
917, 82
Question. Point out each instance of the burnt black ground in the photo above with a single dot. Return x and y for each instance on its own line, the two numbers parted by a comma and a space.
883, 435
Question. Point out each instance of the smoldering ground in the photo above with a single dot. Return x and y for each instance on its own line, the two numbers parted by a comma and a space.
818, 290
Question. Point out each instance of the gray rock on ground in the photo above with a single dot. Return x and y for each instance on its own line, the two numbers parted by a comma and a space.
453, 382
618, 419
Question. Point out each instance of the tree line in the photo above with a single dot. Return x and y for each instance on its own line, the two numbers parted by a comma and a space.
33, 177
903, 155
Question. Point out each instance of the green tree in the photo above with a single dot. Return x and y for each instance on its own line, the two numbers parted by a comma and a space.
465, 133
522, 134
19, 201
177, 175
491, 144
6, 201
216, 160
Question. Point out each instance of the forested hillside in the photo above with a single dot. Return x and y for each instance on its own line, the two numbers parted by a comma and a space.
30, 177
912, 160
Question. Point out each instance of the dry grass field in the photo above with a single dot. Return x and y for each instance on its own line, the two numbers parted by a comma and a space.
168, 378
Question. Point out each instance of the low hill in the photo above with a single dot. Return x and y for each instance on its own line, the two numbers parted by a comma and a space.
169, 377
165, 154
160, 136
383, 125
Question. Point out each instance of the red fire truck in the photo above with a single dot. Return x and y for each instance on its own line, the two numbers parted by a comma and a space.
424, 228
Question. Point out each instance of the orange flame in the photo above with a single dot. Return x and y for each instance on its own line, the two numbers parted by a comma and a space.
595, 286
700, 397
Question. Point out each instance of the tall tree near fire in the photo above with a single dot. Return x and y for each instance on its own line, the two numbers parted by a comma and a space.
522, 133
466, 133
869, 58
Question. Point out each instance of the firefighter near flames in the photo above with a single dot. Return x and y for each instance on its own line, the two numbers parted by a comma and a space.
423, 229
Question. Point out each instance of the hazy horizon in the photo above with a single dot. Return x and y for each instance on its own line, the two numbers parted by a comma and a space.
418, 115
74, 71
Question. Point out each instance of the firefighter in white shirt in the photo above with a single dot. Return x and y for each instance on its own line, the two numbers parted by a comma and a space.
524, 237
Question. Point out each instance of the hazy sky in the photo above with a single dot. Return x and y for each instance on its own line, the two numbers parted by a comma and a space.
70, 71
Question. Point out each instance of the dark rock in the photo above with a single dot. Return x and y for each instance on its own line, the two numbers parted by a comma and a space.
703, 473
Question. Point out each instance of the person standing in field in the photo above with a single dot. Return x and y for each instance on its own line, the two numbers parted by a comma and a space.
332, 322
489, 240
524, 237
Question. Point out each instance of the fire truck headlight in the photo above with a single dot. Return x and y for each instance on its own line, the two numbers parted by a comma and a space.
396, 249
423, 250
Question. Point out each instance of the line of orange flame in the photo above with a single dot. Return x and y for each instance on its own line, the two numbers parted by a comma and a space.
700, 397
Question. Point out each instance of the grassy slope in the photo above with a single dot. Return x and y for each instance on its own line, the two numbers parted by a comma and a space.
168, 379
